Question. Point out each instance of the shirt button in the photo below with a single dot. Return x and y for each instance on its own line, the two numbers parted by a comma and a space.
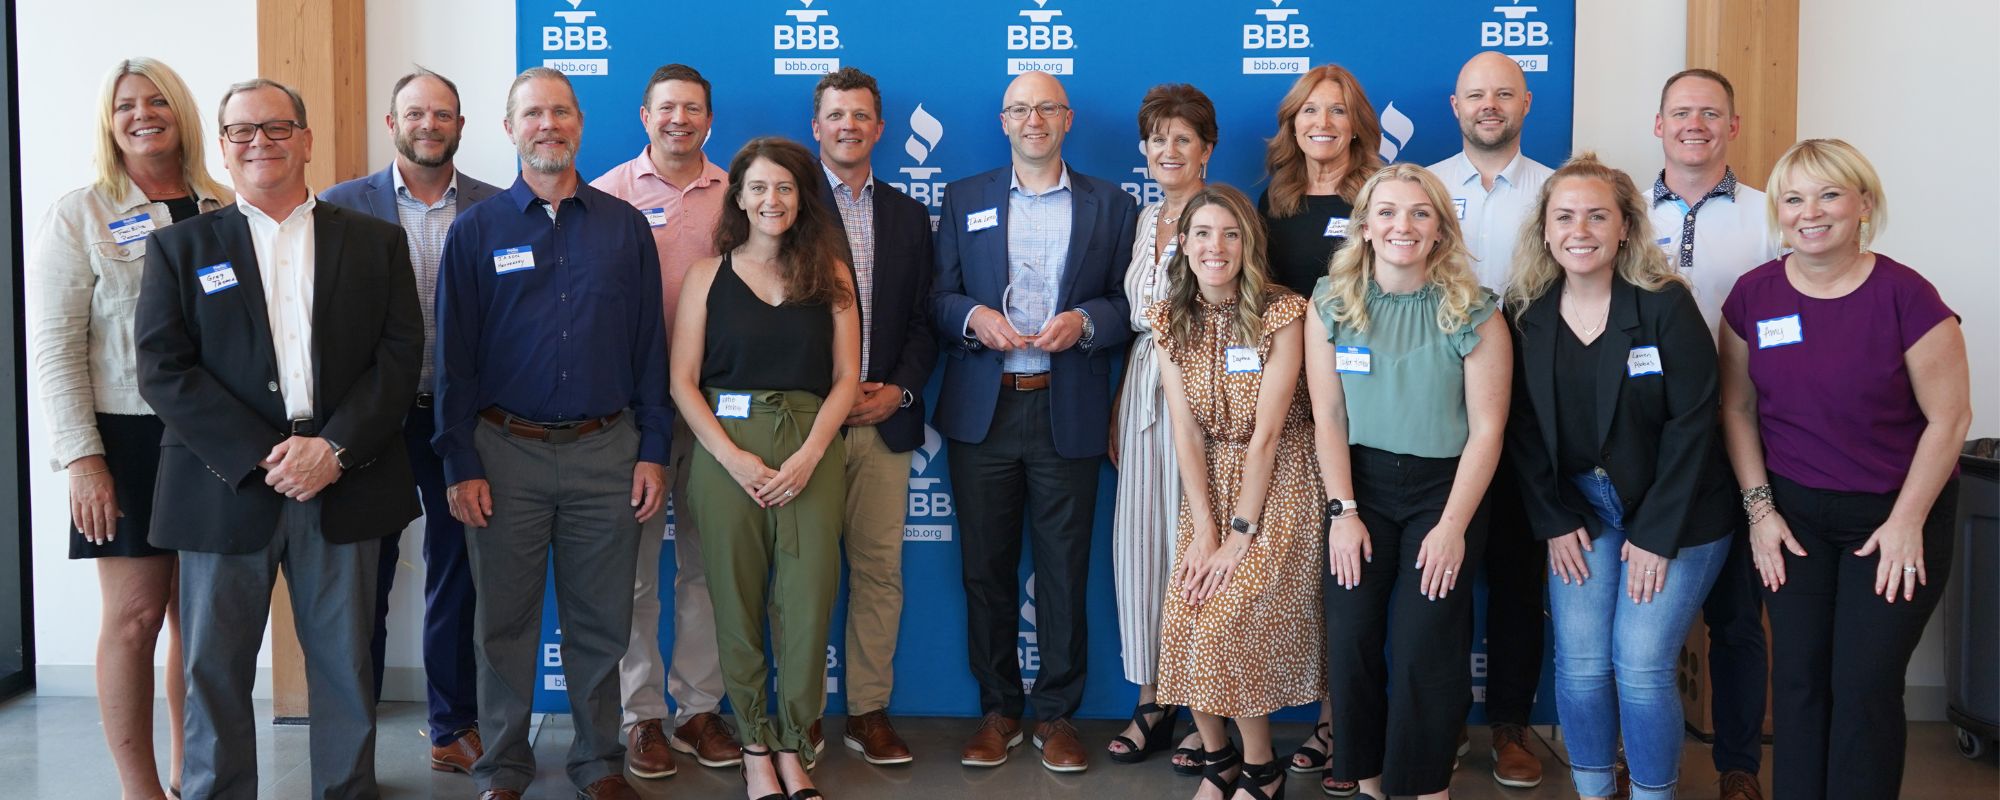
273, 386
563, 297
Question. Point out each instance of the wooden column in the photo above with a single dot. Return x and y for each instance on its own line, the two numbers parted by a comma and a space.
1756, 44
318, 48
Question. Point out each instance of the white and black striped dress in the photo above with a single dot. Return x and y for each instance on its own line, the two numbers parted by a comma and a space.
1149, 489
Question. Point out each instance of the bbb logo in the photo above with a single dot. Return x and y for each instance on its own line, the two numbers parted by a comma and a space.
1144, 189
925, 133
1042, 34
808, 32
573, 35
1517, 30
1028, 650
1276, 31
928, 516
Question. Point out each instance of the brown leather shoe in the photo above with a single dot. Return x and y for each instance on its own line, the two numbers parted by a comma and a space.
1513, 763
1739, 785
989, 745
705, 737
818, 740
1061, 751
499, 794
876, 740
646, 752
609, 787
458, 755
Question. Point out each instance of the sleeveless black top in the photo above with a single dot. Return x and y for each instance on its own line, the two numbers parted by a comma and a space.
750, 344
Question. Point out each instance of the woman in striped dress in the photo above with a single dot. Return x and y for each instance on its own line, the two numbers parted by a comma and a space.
1177, 133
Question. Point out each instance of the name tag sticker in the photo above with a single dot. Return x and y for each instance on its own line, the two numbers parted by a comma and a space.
513, 259
981, 220
1353, 360
1243, 359
1643, 361
732, 405
1779, 332
656, 217
1460, 202
216, 278
1336, 226
131, 229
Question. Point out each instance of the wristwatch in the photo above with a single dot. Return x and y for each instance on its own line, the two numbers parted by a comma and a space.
1243, 526
908, 399
1336, 509
339, 453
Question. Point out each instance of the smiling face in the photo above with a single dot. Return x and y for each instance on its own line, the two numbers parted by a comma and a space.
1322, 128
1696, 123
546, 125
677, 117
263, 167
770, 197
1036, 139
1175, 154
1490, 102
142, 121
847, 127
426, 123
1583, 226
1820, 218
1214, 246
1402, 223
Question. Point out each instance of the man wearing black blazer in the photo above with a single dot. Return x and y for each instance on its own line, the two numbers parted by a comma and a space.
889, 240
1030, 307
423, 192
278, 341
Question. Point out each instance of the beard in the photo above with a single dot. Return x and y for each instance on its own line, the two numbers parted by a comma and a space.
406, 143
1505, 136
540, 163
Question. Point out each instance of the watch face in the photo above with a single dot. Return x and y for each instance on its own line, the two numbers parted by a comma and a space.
1335, 507
1239, 525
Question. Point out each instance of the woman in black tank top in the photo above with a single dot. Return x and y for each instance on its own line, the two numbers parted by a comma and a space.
765, 366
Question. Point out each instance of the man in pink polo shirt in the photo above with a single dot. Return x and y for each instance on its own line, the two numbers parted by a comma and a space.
681, 193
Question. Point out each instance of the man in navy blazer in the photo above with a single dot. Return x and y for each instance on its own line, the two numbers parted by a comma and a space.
422, 192
889, 241
1030, 308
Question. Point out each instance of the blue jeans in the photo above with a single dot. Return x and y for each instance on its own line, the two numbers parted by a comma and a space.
1615, 658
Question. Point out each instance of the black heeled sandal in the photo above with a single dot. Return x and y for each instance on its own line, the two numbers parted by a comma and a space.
1216, 762
1158, 734
1316, 759
744, 766
1195, 756
802, 794
1252, 778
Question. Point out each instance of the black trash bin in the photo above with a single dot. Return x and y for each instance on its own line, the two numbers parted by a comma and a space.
1972, 604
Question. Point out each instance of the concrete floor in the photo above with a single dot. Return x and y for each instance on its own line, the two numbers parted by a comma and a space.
52, 747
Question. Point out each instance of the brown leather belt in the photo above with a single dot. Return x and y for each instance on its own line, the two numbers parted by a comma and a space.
562, 433
1024, 381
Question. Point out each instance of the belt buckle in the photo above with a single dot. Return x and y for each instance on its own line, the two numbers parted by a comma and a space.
302, 427
425, 399
563, 435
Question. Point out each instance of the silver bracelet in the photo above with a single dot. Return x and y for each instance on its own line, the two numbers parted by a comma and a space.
1754, 494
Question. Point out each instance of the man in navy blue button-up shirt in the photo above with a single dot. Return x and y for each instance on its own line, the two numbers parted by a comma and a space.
552, 421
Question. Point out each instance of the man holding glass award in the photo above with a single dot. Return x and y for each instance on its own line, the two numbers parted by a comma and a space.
1028, 300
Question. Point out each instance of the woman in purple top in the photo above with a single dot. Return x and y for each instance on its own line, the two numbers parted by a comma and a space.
1845, 396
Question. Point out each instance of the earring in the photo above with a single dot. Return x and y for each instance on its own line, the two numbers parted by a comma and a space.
1864, 236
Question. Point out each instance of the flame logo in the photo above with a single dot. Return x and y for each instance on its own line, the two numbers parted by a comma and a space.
926, 452
925, 131
1028, 608
1397, 130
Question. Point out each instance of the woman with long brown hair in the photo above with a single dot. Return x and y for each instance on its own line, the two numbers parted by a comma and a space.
1327, 144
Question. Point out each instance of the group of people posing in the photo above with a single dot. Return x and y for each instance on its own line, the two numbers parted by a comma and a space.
1340, 402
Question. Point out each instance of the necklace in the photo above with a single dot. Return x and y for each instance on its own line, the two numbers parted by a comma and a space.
1569, 313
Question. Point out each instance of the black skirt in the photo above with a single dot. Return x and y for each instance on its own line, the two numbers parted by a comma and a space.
132, 451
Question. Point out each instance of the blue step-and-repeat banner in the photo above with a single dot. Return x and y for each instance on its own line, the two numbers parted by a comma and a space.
943, 67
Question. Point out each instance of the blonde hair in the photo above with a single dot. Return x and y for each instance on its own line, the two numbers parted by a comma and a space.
112, 181
1639, 263
1285, 163
1831, 161
1253, 281
1448, 268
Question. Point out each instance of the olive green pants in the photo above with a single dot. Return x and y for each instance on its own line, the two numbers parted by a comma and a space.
780, 563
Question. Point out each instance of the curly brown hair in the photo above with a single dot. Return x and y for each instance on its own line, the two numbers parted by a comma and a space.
812, 254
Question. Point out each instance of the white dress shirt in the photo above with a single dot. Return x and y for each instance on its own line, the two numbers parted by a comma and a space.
285, 267
1492, 219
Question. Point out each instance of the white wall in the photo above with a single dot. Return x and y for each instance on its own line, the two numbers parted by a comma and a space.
1884, 80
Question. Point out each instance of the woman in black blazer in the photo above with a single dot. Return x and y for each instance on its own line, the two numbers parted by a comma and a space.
1614, 433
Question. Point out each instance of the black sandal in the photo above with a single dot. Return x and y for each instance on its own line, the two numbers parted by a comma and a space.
802, 794
744, 766
1316, 758
1216, 762
1156, 734
1254, 777
1195, 757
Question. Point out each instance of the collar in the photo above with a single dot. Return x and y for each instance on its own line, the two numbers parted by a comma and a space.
1062, 182
522, 196
710, 173
1511, 173
833, 180
403, 189
1725, 188
303, 209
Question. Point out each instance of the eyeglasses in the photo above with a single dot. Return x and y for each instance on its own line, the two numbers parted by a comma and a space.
276, 130
1019, 111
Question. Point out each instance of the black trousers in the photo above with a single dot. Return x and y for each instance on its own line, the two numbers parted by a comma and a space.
1738, 658
1839, 651
1399, 716
1516, 569
1016, 476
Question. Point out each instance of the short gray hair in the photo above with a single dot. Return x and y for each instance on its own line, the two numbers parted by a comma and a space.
298, 103
533, 73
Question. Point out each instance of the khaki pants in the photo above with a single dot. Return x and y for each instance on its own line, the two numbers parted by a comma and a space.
877, 496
